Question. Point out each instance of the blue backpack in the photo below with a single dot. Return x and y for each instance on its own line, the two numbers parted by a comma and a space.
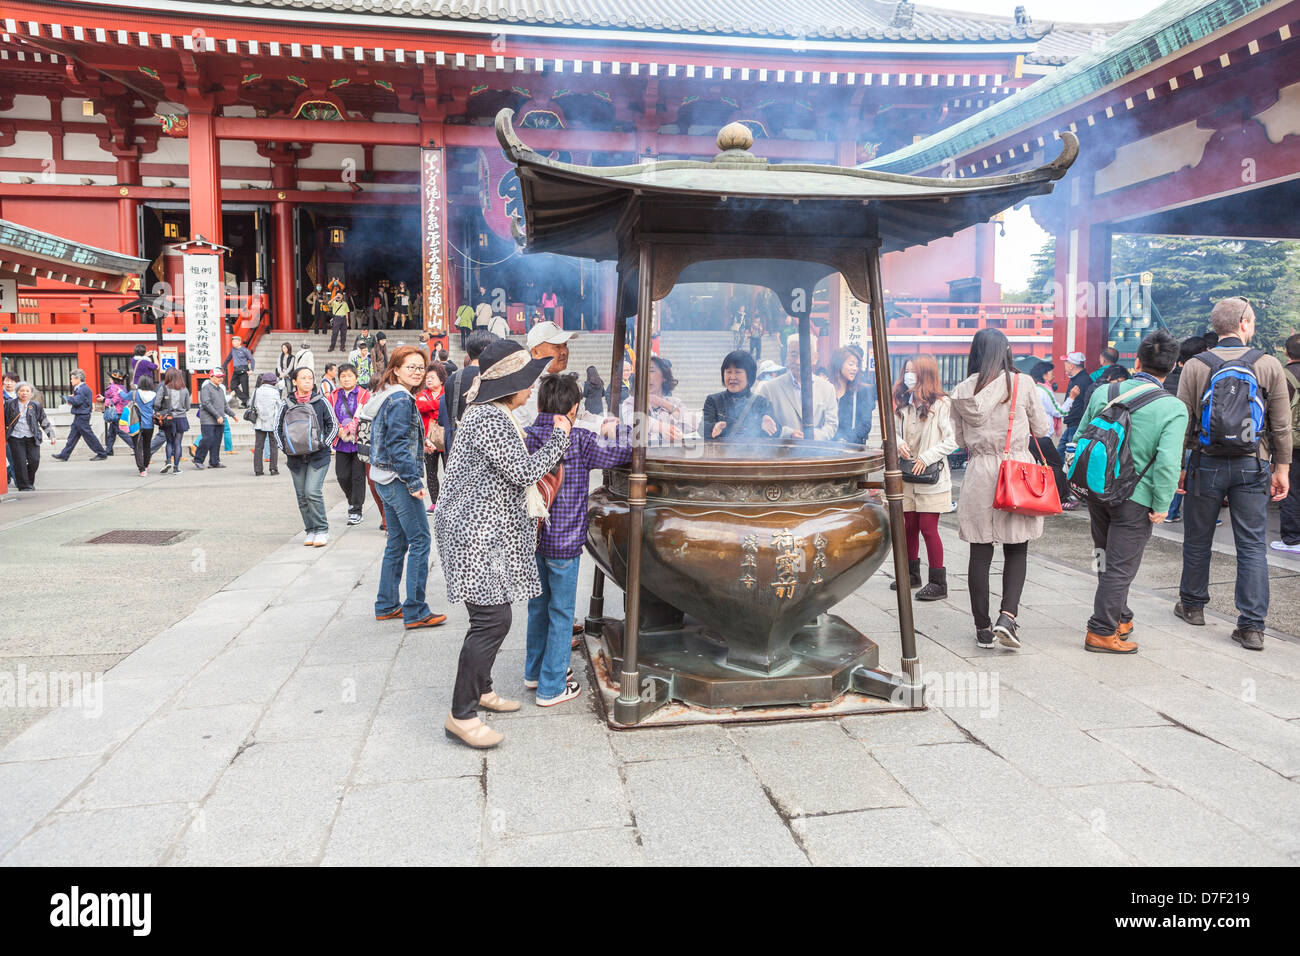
1232, 407
1102, 469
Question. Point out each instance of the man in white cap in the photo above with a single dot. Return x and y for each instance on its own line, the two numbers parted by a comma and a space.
1077, 392
547, 340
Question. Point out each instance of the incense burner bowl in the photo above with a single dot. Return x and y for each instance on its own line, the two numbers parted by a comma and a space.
754, 541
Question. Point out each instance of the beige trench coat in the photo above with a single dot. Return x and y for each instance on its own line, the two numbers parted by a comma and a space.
980, 424
929, 440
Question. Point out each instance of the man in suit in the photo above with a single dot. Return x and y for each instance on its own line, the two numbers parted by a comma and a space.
81, 402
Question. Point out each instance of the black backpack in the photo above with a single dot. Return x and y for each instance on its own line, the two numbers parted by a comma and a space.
1102, 469
1232, 407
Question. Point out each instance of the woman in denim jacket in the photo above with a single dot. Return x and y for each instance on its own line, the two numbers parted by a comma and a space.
397, 473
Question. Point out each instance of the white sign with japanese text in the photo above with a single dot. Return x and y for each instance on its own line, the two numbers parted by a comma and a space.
202, 312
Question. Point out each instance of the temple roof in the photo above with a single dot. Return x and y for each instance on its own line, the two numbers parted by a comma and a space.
577, 210
812, 19
28, 254
1130, 52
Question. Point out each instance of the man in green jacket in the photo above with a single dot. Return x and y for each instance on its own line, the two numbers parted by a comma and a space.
1120, 531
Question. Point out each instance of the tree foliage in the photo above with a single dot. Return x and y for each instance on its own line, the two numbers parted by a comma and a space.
1190, 274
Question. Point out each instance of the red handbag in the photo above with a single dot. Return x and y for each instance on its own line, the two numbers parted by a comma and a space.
1024, 487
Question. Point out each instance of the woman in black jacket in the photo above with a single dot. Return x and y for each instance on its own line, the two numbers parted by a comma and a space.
738, 412
25, 420
593, 392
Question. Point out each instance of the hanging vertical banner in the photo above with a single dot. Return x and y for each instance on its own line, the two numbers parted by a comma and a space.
855, 320
433, 206
202, 312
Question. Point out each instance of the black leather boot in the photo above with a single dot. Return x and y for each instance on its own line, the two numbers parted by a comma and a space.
937, 588
913, 575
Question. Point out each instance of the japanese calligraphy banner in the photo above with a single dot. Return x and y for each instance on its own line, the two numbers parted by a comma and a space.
202, 312
433, 230
855, 320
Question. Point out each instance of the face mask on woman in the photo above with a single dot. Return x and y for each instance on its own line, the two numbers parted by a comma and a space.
909, 380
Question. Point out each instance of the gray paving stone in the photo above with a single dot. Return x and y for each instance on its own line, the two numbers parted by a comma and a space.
411, 823
248, 674
182, 649
1162, 827
32, 789
175, 757
1078, 698
996, 813
327, 701
707, 811
812, 767
909, 729
345, 642
73, 731
289, 624
130, 836
1224, 780
1229, 720
427, 660
277, 575
662, 743
892, 836
274, 806
1043, 745
614, 846
1235, 676
407, 742
553, 774
1137, 670
327, 582
232, 607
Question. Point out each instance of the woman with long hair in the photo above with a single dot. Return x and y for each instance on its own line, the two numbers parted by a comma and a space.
855, 397
396, 473
982, 406
284, 368
143, 397
593, 392
923, 418
175, 417
486, 524
427, 400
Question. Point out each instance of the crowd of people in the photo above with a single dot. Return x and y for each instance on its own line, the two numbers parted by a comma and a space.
517, 438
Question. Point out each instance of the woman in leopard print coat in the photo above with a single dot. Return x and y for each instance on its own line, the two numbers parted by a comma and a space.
486, 525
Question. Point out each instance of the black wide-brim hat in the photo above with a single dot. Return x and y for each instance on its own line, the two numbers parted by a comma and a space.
505, 367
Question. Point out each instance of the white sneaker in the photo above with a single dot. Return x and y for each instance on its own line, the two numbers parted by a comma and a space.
1283, 546
571, 690
322, 539
309, 541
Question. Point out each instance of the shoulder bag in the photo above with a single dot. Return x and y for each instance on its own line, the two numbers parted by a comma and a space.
1024, 487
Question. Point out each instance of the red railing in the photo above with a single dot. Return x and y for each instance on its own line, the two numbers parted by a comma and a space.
46, 311
956, 317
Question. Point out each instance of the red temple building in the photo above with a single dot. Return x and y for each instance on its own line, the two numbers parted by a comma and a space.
311, 140
1188, 122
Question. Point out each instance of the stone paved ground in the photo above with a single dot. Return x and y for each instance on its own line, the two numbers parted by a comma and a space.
275, 721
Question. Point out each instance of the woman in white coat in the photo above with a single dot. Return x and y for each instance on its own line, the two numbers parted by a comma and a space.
982, 405
923, 415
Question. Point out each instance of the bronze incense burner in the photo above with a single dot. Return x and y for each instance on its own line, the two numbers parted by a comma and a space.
731, 557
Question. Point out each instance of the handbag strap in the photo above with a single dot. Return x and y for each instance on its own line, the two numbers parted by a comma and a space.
1011, 418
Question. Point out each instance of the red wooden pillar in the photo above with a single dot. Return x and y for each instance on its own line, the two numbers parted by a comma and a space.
1081, 301
128, 228
283, 259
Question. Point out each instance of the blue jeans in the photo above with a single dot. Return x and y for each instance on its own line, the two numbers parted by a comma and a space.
1067, 436
174, 437
1244, 482
408, 535
1176, 508
308, 482
550, 625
